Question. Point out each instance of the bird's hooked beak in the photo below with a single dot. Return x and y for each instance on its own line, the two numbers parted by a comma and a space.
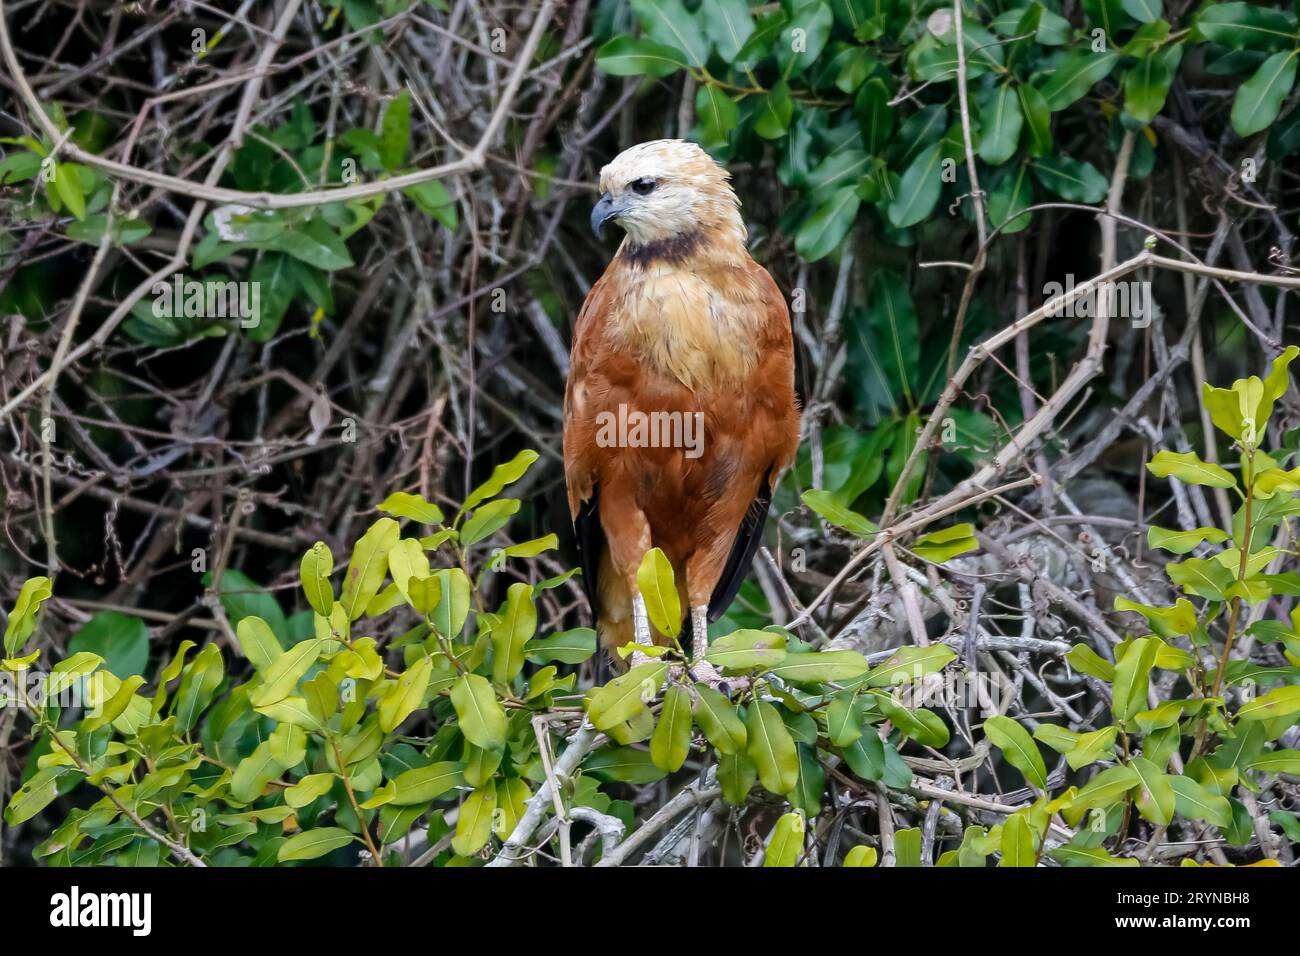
604, 210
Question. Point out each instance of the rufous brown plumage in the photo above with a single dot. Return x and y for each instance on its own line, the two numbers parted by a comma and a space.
680, 409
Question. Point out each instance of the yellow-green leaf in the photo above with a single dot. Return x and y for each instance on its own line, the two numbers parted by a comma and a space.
426, 783
369, 564
671, 740
315, 569
474, 824
626, 696
482, 718
311, 844
771, 748
719, 721
787, 841
282, 675
1018, 747
654, 580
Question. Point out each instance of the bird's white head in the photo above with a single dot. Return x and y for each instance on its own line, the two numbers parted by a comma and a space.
667, 190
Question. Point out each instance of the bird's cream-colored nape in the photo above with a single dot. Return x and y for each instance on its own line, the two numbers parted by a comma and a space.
668, 188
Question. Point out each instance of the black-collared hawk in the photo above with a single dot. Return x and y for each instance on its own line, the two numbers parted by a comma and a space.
683, 329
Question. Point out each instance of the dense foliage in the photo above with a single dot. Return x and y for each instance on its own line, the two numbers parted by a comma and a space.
297, 281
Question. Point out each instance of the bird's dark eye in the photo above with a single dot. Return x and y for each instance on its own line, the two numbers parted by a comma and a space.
643, 187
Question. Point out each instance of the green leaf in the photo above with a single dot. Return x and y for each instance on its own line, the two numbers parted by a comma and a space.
19, 167
22, 619
787, 841
36, 793
1147, 82
1106, 788
474, 824
311, 844
815, 667
1209, 579
1145, 11
452, 610
68, 185
1083, 658
395, 131
567, 647
1018, 748
736, 775
121, 640
771, 748
626, 696
1071, 855
401, 504
823, 231
258, 642
831, 507
482, 718
943, 545
910, 663
717, 115
419, 786
719, 721
866, 755
407, 694
654, 581
671, 740
1155, 796
813, 22
1010, 196
861, 855
518, 624
1075, 76
369, 564
502, 475
1038, 119
1091, 747
626, 56
1246, 26
874, 114
1071, 179
1280, 702
1132, 678
313, 242
199, 682
1000, 124
308, 789
1179, 619
727, 25
746, 649
884, 348
918, 192
1183, 542
1017, 844
669, 23
1187, 467
488, 519
433, 199
775, 112
1197, 803
844, 718
315, 569
1259, 99
282, 675
625, 764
